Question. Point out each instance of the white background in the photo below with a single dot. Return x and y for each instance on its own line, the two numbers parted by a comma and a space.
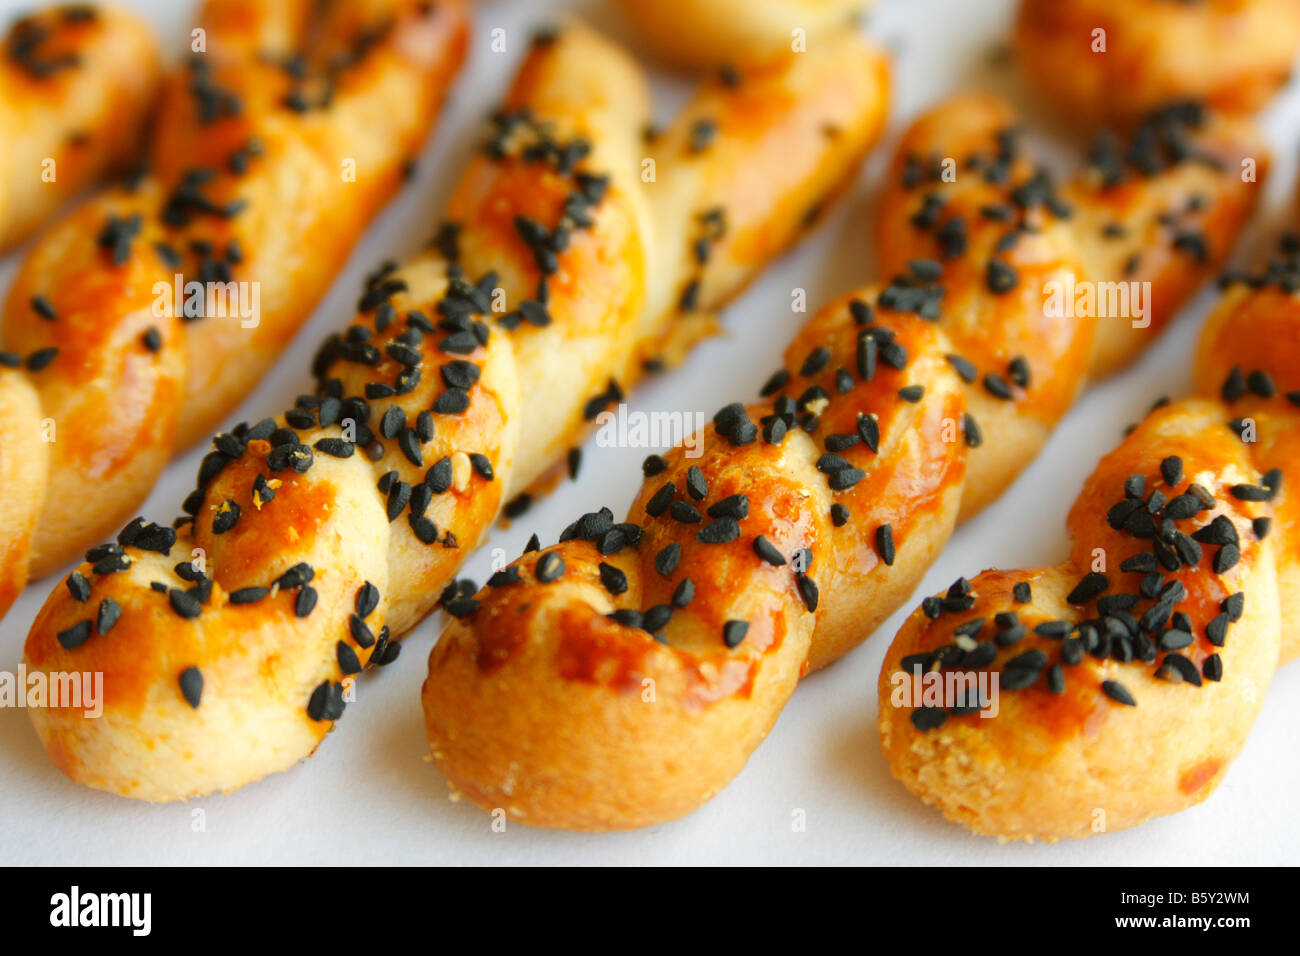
369, 796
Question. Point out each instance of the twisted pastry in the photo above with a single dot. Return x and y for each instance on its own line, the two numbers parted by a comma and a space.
316, 538
1129, 675
1103, 60
76, 86
108, 370
623, 677
732, 33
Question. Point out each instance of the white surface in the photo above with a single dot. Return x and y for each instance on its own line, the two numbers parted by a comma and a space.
370, 797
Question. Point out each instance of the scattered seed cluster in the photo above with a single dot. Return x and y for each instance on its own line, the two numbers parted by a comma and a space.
416, 342
1137, 618
25, 46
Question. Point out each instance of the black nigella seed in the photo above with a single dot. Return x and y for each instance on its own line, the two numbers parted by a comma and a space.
225, 517
109, 612
613, 579
816, 361
482, 465
78, 586
1000, 277
335, 447
660, 500
1261, 383
1018, 371
248, 595
974, 438
1056, 679
439, 476
667, 559
347, 658
845, 478
997, 386
719, 531
869, 431
1090, 586
1234, 386
766, 550
41, 358
191, 684
1213, 668
1021, 592
867, 353
912, 393
305, 601
684, 593
151, 339
839, 515
453, 401
656, 618
685, 512
733, 632
391, 425
702, 133
296, 576
184, 603
1226, 558
367, 599
360, 631
1171, 470
44, 308
696, 485
735, 506
550, 566
74, 636
965, 368
885, 543
1118, 692
928, 718
808, 591
1250, 493
653, 465
409, 442
1261, 527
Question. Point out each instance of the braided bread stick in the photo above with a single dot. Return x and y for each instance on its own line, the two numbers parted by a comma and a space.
327, 532
76, 86
1103, 60
115, 364
1127, 677
725, 34
623, 677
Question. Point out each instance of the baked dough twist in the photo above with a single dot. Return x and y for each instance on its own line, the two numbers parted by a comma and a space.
1104, 60
328, 531
623, 676
272, 149
1129, 675
77, 82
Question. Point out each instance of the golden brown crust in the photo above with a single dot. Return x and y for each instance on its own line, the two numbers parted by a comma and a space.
1101, 60
1199, 555
1134, 708
442, 405
250, 164
77, 83
736, 33
807, 518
